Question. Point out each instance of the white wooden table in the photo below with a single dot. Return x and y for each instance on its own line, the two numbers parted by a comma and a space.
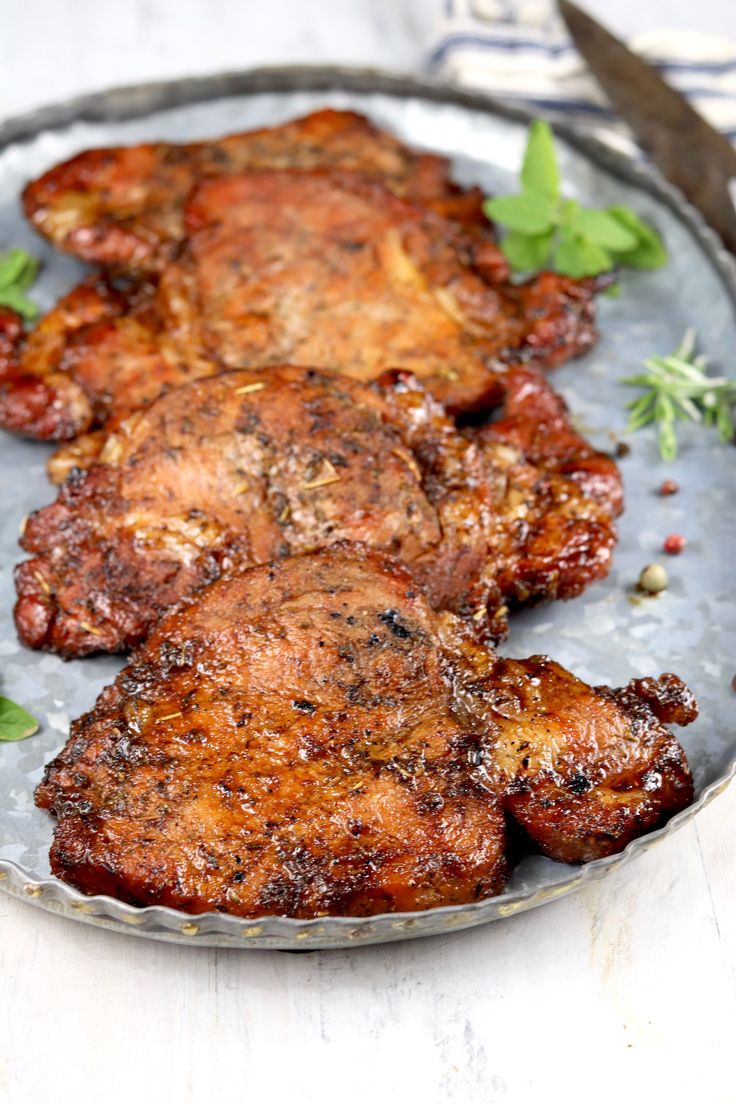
626, 990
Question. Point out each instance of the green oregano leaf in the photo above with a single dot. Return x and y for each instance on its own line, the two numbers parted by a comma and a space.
12, 265
606, 231
18, 270
577, 241
526, 214
525, 253
569, 213
578, 256
649, 251
16, 723
540, 174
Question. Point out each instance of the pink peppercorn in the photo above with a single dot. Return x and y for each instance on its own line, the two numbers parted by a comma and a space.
674, 544
669, 487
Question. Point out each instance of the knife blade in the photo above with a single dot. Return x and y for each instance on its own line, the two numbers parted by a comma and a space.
689, 152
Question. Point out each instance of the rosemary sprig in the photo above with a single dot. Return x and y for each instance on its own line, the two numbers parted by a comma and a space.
677, 387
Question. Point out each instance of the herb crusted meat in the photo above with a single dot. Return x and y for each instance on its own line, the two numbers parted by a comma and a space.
321, 268
123, 207
236, 469
309, 738
310, 462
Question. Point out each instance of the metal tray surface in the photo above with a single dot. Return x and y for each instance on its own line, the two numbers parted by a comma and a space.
607, 636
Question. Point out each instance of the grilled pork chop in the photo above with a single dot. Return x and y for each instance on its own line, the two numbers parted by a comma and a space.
236, 469
590, 770
534, 420
317, 268
124, 207
309, 738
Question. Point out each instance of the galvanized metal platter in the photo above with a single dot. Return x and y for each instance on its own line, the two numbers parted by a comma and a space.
608, 636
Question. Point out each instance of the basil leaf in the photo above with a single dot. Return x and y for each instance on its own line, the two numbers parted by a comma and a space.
16, 723
577, 256
607, 231
539, 172
527, 214
649, 251
527, 254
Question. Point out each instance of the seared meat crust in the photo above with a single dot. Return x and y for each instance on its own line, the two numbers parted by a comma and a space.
331, 270
592, 770
535, 420
312, 268
124, 207
309, 738
237, 469
101, 352
42, 392
285, 745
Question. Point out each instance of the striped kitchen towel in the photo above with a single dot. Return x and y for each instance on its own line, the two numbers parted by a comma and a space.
520, 51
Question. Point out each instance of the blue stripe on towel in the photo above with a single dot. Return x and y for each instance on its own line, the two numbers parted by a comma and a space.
554, 103
471, 49
490, 42
716, 67
699, 93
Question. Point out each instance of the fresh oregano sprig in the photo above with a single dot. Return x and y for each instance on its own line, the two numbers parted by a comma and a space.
547, 230
677, 387
16, 723
18, 270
